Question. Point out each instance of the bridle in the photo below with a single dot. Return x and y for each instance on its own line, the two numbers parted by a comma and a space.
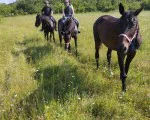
134, 36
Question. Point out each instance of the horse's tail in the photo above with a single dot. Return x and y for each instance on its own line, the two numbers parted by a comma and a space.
97, 42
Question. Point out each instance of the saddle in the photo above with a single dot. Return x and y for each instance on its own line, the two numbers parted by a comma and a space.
64, 20
48, 20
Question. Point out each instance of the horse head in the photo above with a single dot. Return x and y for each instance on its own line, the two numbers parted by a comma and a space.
38, 20
69, 27
129, 28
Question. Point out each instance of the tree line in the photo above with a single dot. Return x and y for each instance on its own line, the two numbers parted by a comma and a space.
21, 7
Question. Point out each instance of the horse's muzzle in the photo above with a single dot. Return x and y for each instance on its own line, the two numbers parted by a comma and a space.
122, 49
62, 33
36, 25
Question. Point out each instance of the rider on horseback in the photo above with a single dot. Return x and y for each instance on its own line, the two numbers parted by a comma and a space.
69, 12
47, 11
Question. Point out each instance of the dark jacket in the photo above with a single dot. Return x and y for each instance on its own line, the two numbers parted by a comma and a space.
68, 11
47, 10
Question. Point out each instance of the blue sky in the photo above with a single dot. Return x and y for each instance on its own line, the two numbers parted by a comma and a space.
7, 1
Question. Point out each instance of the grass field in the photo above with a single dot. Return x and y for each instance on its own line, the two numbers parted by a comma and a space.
40, 81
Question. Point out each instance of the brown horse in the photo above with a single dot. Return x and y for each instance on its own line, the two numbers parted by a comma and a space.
68, 30
119, 34
47, 25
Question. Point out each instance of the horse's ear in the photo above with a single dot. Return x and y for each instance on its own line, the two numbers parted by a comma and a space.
136, 13
121, 9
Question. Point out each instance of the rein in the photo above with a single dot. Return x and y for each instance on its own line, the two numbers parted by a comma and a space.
128, 38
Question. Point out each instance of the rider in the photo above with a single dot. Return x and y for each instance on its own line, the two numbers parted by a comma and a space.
69, 12
47, 11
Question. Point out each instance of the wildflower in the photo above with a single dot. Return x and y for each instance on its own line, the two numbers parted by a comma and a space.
15, 95
79, 98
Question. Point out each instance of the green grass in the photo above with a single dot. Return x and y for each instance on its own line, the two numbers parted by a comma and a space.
39, 80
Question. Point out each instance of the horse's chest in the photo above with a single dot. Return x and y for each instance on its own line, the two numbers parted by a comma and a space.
109, 38
111, 44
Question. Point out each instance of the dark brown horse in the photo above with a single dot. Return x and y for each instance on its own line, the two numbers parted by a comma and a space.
47, 24
119, 34
68, 30
60, 29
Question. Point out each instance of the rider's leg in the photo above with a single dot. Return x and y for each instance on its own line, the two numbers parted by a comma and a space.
77, 23
42, 27
63, 24
54, 21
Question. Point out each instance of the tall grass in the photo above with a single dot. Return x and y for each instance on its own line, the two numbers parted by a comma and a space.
39, 80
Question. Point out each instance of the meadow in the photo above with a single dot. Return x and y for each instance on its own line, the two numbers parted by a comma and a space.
40, 81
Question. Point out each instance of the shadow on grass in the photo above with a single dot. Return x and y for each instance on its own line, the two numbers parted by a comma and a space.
55, 82
33, 52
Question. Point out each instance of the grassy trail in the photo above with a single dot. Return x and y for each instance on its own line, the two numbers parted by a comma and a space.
39, 80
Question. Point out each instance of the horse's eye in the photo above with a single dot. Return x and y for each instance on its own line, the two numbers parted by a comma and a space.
127, 20
134, 21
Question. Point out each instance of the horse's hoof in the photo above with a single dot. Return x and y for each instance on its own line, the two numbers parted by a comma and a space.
124, 89
121, 95
41, 30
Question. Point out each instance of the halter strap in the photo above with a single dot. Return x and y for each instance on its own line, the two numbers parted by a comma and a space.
128, 38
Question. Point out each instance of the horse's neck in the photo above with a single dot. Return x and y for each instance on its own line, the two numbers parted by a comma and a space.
70, 25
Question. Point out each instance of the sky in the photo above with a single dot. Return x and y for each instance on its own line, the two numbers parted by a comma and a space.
7, 1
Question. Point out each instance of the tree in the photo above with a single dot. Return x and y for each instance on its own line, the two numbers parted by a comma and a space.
35, 6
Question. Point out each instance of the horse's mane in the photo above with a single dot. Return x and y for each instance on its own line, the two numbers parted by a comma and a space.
70, 24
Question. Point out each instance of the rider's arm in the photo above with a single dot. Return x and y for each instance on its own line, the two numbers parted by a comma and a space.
52, 12
63, 13
42, 11
72, 10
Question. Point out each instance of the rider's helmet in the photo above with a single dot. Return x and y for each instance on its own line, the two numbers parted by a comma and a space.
66, 2
46, 2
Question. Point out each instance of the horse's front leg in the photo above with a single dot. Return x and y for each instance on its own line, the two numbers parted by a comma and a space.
67, 47
123, 75
46, 35
75, 40
109, 60
60, 39
54, 36
130, 57
109, 57
50, 36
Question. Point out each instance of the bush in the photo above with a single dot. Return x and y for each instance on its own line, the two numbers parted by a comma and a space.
147, 4
103, 5
35, 6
